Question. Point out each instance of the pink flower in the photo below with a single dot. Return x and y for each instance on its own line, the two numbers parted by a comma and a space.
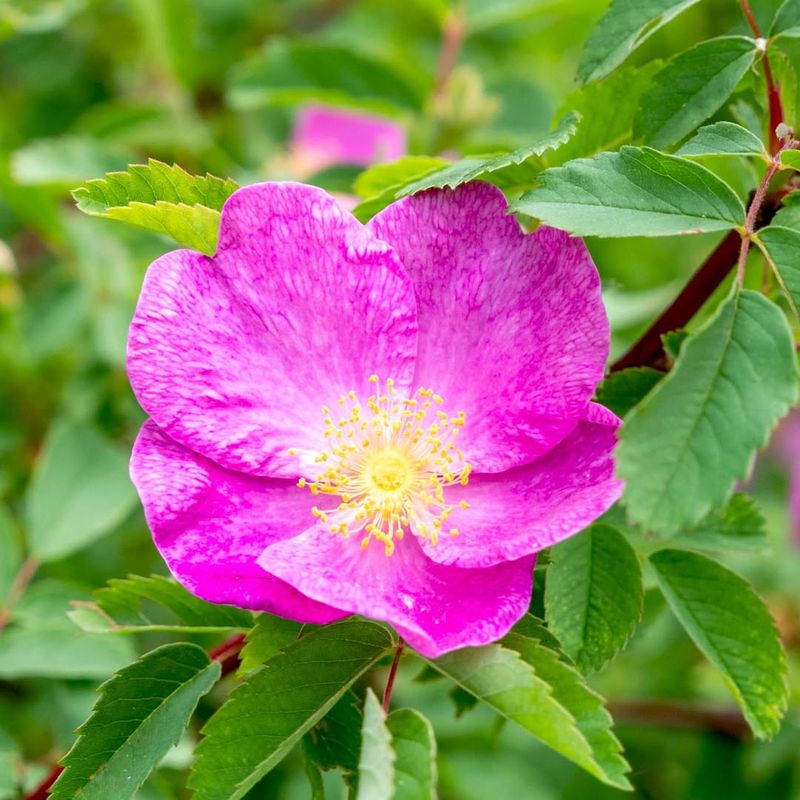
787, 444
324, 136
387, 420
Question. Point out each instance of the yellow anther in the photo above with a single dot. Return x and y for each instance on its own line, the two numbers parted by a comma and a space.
292, 451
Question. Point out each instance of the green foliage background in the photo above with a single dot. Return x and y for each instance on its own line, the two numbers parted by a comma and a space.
91, 86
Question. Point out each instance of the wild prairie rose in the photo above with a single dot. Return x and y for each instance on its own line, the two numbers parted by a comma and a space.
387, 420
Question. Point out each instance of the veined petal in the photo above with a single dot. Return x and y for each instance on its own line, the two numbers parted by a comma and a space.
210, 525
234, 355
512, 327
524, 510
434, 608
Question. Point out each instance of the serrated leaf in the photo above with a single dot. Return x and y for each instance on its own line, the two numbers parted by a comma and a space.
738, 526
414, 745
734, 630
787, 20
673, 341
635, 192
162, 198
606, 109
691, 87
291, 72
789, 215
142, 711
80, 490
593, 595
267, 638
538, 647
781, 246
499, 169
626, 24
723, 139
379, 184
685, 445
513, 686
292, 692
621, 391
155, 604
334, 742
376, 764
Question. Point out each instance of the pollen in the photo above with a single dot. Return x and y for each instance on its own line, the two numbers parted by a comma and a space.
388, 465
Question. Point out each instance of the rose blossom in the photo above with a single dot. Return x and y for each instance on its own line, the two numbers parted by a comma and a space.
387, 419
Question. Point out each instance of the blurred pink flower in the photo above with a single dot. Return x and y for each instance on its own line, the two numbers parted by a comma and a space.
787, 444
387, 420
325, 135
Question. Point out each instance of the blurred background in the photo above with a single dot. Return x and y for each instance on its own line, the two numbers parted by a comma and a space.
237, 87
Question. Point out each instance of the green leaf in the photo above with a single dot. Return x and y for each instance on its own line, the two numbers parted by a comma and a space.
292, 692
155, 604
267, 638
691, 87
531, 686
161, 198
673, 341
623, 390
781, 247
415, 755
790, 159
734, 630
379, 184
593, 595
10, 767
636, 192
58, 651
80, 491
292, 72
787, 20
376, 764
334, 742
789, 215
499, 169
606, 109
738, 526
142, 711
694, 435
723, 139
626, 24
64, 160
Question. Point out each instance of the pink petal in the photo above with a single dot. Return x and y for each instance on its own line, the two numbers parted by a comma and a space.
233, 356
210, 525
537, 505
324, 135
433, 607
512, 328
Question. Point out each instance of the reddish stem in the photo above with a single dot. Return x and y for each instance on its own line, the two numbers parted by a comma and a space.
649, 349
227, 654
23, 578
453, 32
773, 90
387, 693
680, 715
42, 791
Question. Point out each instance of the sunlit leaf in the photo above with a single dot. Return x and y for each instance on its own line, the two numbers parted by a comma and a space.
723, 139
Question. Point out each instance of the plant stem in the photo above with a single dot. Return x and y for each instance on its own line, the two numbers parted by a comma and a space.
387, 693
728, 722
42, 791
24, 576
228, 654
454, 30
648, 350
773, 90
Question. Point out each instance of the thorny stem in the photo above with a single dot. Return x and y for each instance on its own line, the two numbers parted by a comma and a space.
387, 693
773, 90
18, 587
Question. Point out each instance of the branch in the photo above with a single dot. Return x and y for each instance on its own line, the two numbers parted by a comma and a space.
23, 577
453, 32
662, 713
648, 350
42, 791
227, 654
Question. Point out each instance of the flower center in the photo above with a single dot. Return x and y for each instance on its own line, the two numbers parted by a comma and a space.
388, 465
